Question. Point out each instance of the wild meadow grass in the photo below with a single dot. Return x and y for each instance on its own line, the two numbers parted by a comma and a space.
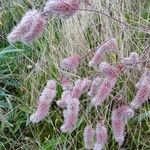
24, 70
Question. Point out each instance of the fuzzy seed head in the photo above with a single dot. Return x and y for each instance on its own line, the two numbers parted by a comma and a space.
141, 95
118, 127
77, 89
70, 63
89, 137
131, 61
108, 46
70, 116
65, 98
31, 25
101, 136
94, 87
46, 98
107, 69
103, 91
41, 112
86, 84
63, 8
123, 112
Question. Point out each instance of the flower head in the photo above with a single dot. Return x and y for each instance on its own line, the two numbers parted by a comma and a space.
108, 70
64, 8
118, 127
89, 137
65, 98
70, 63
131, 61
65, 83
70, 116
44, 102
142, 94
86, 84
31, 25
104, 90
123, 112
101, 136
109, 45
77, 89
94, 87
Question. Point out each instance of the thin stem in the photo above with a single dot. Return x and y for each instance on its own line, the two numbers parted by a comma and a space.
143, 29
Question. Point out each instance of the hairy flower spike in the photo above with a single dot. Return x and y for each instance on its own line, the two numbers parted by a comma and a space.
101, 136
86, 84
31, 25
120, 116
65, 98
89, 137
142, 94
118, 127
94, 87
77, 89
65, 83
45, 100
123, 112
70, 116
131, 61
108, 70
104, 90
64, 8
70, 63
109, 45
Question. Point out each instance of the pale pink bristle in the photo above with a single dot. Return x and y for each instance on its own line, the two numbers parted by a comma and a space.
70, 63
118, 127
141, 95
107, 69
89, 137
31, 25
94, 87
77, 89
104, 91
124, 112
63, 8
101, 136
45, 100
65, 97
70, 116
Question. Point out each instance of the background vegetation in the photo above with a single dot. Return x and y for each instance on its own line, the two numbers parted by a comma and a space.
24, 70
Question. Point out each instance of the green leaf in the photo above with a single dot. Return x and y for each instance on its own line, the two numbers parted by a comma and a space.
9, 50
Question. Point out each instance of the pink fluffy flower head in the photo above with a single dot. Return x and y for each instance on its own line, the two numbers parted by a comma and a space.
86, 84
65, 98
77, 89
108, 70
64, 8
94, 87
70, 116
31, 25
104, 90
44, 102
142, 94
65, 83
131, 61
118, 127
89, 137
123, 112
70, 63
109, 45
101, 136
